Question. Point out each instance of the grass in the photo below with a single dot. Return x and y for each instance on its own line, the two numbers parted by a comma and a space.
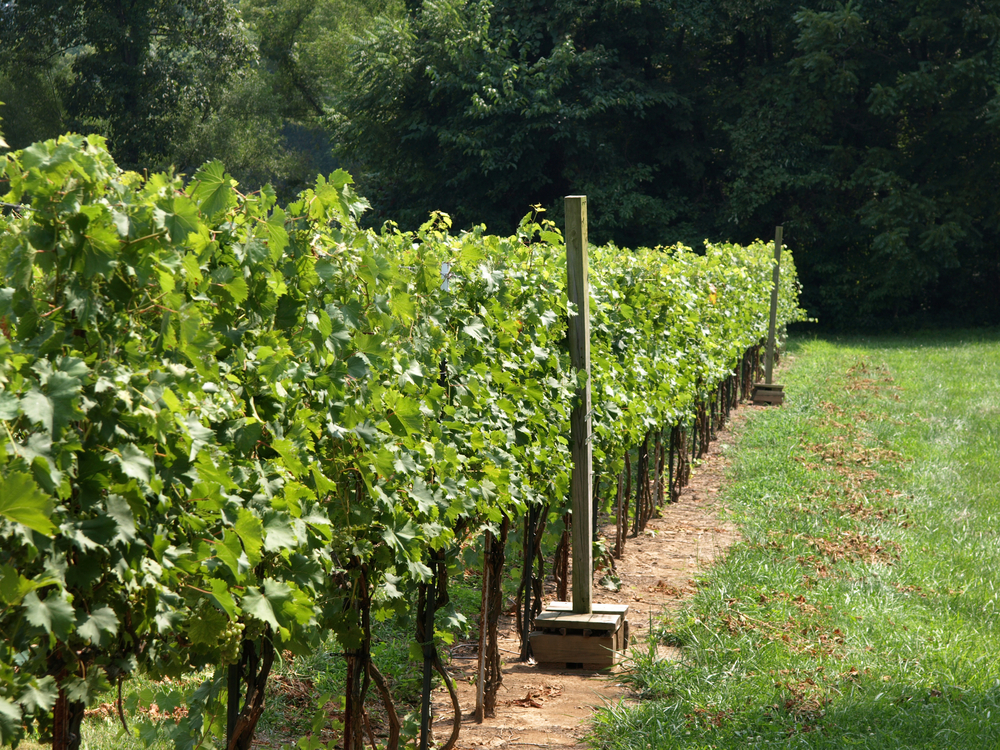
860, 609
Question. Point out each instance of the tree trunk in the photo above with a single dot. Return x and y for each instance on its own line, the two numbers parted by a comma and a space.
358, 667
493, 674
67, 716
254, 669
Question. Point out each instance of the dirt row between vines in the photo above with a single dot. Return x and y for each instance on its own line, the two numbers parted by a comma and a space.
540, 707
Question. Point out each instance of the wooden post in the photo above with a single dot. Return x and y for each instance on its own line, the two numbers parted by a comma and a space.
769, 355
599, 632
483, 626
580, 420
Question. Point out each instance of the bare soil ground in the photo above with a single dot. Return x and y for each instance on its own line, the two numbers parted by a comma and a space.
540, 707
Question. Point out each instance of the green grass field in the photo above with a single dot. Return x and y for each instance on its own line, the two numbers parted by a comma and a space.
860, 610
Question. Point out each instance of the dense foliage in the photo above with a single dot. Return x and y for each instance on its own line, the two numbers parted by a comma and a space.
179, 83
868, 131
230, 428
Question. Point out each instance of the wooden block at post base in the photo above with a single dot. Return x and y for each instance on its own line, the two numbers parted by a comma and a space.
764, 394
585, 641
597, 608
578, 651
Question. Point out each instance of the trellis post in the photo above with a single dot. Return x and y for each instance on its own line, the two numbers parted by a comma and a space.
767, 392
581, 486
580, 634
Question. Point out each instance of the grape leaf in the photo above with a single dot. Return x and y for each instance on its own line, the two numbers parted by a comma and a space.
398, 537
278, 533
179, 216
220, 591
55, 615
230, 553
13, 585
118, 509
8, 405
213, 191
38, 408
10, 722
40, 695
250, 531
207, 626
266, 603
277, 237
23, 502
134, 463
99, 627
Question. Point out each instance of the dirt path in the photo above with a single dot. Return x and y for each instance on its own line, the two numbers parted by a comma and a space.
550, 707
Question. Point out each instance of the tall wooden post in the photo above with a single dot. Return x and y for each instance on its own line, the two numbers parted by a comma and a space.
581, 487
769, 355
768, 392
581, 634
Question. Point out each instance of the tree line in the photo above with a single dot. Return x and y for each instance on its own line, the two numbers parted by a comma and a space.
868, 130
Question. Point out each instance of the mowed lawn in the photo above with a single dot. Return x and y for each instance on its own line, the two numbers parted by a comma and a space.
861, 608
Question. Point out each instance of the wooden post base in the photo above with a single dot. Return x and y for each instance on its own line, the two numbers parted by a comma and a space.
764, 394
569, 641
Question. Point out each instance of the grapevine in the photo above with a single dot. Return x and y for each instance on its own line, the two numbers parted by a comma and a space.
254, 424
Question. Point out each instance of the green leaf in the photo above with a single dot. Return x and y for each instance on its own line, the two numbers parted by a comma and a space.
208, 471
179, 216
402, 307
237, 289
10, 722
423, 495
407, 411
207, 626
251, 531
99, 627
278, 533
371, 344
277, 237
100, 251
213, 190
255, 603
40, 695
54, 615
220, 591
257, 251
475, 330
265, 604
134, 463
247, 435
230, 552
118, 508
8, 406
21, 501
38, 408
419, 570
398, 537
290, 454
13, 585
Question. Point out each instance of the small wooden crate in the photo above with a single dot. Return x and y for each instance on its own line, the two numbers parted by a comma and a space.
764, 394
571, 641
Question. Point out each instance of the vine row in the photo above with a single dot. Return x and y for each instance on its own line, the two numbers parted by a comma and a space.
233, 429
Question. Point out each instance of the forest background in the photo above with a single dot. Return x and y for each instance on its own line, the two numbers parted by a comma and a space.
869, 130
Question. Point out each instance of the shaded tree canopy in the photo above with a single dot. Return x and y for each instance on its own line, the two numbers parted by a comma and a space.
140, 71
869, 131
179, 82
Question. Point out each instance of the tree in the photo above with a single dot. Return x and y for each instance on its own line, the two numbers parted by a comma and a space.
140, 72
869, 131
484, 108
874, 136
